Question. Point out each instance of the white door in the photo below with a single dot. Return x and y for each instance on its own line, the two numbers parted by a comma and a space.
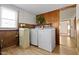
44, 39
65, 28
34, 36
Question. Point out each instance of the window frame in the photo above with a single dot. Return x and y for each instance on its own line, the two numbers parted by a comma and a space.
8, 28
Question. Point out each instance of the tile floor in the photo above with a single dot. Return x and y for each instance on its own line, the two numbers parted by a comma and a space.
59, 50
68, 41
66, 48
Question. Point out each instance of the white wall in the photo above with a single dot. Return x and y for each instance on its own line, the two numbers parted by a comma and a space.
77, 11
24, 16
73, 33
64, 28
67, 14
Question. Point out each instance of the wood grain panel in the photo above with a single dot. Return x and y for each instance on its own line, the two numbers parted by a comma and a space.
24, 25
8, 37
53, 18
0, 47
77, 25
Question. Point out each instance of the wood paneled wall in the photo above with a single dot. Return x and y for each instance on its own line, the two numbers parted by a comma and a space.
24, 25
11, 37
0, 47
8, 37
53, 18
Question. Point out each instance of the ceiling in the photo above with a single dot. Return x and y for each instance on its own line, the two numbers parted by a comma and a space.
40, 8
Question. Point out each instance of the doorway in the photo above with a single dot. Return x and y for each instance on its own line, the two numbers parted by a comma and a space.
65, 28
67, 33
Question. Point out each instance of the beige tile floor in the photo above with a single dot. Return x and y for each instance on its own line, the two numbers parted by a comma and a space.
66, 48
59, 50
68, 41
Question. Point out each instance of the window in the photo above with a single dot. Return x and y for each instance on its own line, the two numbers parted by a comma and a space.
8, 18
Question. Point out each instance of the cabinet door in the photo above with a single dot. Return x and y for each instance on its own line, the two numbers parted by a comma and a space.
34, 36
44, 39
24, 38
21, 37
